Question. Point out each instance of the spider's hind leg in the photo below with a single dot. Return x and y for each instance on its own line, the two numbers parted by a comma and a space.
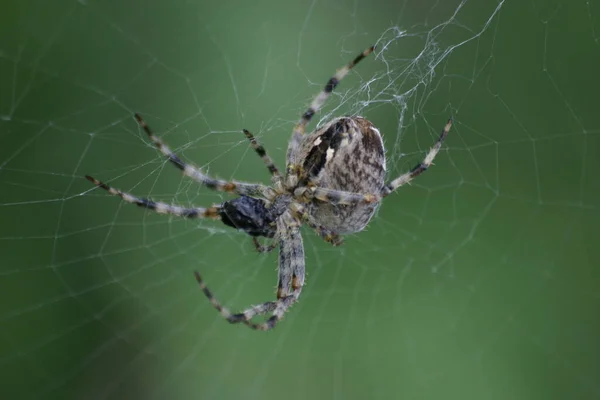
421, 167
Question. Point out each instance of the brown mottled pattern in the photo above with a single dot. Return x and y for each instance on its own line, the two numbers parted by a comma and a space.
334, 183
356, 164
293, 156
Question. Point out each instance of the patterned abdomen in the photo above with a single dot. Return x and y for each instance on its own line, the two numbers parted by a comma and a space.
346, 154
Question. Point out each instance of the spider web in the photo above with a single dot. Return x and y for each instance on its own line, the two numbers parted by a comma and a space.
477, 281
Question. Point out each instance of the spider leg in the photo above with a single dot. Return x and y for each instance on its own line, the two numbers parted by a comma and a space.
260, 150
281, 306
194, 172
326, 234
245, 316
291, 275
278, 308
324, 94
314, 107
335, 197
292, 253
421, 167
160, 208
261, 248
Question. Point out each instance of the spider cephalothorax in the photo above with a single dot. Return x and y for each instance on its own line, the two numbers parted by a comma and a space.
334, 182
249, 215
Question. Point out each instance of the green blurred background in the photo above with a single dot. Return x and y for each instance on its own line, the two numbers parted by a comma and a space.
479, 281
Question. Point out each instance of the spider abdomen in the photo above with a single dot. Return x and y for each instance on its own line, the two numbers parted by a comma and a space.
346, 154
334, 178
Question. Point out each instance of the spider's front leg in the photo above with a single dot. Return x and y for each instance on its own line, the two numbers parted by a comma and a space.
158, 207
262, 153
290, 282
194, 172
244, 316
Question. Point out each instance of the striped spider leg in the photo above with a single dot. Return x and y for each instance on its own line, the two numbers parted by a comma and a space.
340, 197
194, 172
293, 158
158, 207
334, 182
290, 280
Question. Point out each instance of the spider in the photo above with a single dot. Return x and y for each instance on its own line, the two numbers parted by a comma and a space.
334, 182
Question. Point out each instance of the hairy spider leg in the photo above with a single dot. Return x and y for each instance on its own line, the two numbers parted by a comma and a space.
326, 234
261, 248
224, 311
291, 276
291, 256
246, 316
194, 172
339, 197
160, 208
262, 153
421, 167
278, 308
314, 107
335, 197
331, 84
